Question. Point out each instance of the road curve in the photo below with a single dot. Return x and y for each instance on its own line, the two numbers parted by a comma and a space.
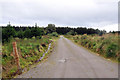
71, 61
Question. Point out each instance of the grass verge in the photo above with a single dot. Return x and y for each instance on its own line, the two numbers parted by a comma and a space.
30, 50
106, 45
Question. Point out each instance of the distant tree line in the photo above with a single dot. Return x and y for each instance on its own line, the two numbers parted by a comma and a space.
79, 30
9, 31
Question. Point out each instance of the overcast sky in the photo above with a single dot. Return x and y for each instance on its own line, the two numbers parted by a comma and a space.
101, 14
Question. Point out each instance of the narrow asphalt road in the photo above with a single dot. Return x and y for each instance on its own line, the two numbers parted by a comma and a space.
71, 61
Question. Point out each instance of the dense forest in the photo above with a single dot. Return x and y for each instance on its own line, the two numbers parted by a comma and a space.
10, 31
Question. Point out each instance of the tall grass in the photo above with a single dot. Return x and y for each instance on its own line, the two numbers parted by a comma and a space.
30, 50
105, 45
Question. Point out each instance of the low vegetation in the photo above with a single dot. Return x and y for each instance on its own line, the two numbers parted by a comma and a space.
30, 50
33, 41
105, 45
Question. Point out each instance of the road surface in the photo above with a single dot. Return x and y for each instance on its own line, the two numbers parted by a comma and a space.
71, 61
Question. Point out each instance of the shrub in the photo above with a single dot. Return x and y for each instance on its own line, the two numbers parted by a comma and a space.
33, 37
89, 44
84, 37
94, 44
84, 42
25, 38
71, 32
55, 34
38, 37
76, 41
111, 50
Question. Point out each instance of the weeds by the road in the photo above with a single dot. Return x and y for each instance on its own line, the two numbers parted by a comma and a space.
30, 50
105, 45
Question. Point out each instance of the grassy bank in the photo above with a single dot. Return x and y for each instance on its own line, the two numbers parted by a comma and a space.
105, 45
30, 50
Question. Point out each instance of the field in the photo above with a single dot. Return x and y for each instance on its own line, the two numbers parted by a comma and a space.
105, 45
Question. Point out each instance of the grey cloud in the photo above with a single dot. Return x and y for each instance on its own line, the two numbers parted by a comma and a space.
98, 13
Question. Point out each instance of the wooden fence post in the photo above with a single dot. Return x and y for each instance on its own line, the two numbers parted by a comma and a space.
15, 52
